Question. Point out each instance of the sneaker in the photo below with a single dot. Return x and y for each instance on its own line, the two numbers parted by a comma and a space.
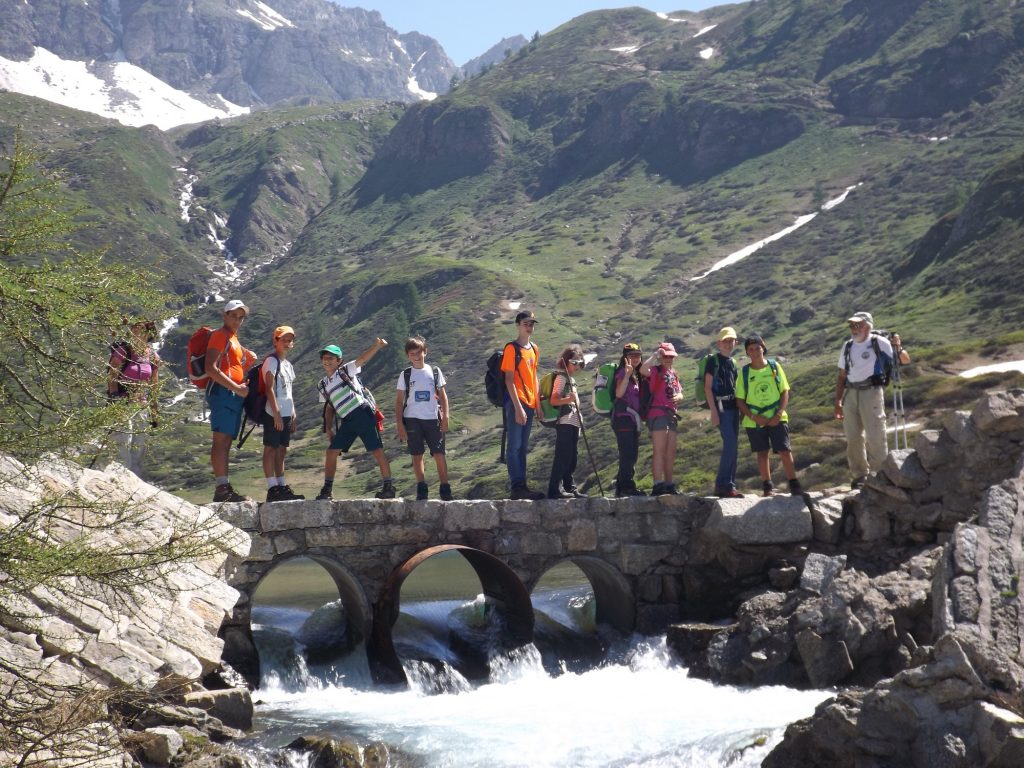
658, 489
794, 487
422, 492
857, 483
669, 489
576, 493
287, 494
324, 495
560, 495
387, 491
446, 492
227, 493
769, 489
274, 494
729, 493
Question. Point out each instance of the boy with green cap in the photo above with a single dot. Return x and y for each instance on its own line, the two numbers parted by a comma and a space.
348, 414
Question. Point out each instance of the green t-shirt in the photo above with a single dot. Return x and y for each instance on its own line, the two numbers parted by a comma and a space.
763, 391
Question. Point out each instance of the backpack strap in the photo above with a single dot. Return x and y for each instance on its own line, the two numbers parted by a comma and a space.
847, 362
407, 376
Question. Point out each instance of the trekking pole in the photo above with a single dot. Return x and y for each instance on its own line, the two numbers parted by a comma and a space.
899, 413
504, 432
586, 443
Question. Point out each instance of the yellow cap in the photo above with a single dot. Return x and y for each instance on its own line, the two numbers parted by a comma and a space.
727, 333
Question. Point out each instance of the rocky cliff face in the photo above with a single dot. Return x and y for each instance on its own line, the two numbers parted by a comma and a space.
88, 644
250, 52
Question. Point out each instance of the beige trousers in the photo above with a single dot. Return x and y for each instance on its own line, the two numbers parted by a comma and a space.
864, 424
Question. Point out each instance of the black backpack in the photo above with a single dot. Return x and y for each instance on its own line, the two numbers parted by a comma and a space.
254, 404
494, 378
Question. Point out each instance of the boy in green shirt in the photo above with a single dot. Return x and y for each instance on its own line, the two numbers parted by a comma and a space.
762, 393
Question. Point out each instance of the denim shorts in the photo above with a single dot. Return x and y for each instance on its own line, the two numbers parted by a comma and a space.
361, 423
225, 410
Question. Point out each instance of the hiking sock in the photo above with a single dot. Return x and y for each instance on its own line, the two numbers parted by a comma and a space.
280, 480
769, 489
272, 483
794, 486
221, 480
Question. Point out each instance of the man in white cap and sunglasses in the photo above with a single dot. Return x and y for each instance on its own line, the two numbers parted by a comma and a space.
860, 394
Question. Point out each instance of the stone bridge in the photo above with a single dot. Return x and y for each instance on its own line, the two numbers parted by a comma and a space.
650, 561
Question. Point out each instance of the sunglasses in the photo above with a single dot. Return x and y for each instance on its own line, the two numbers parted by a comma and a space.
576, 362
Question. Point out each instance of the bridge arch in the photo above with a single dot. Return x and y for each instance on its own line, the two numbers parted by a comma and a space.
502, 589
240, 648
613, 595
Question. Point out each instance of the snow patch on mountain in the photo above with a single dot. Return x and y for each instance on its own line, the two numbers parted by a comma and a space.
414, 88
265, 16
705, 30
117, 90
707, 53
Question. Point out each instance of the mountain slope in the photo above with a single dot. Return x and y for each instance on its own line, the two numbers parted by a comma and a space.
210, 57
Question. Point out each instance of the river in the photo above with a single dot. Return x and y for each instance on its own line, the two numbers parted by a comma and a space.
578, 696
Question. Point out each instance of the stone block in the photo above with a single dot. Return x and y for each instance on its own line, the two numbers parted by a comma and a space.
242, 515
873, 523
662, 528
966, 601
935, 448
395, 534
880, 484
904, 469
347, 536
775, 520
999, 511
519, 513
959, 427
582, 536
289, 542
370, 511
649, 589
480, 515
427, 512
232, 706
295, 515
826, 518
637, 558
965, 550
826, 659
539, 543
820, 571
1000, 412
155, 746
621, 528
1000, 736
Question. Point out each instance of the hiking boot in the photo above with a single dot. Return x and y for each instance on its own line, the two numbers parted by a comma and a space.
729, 493
658, 489
422, 492
560, 494
324, 495
227, 493
274, 494
857, 483
632, 491
769, 489
387, 491
669, 489
522, 492
576, 493
794, 487
446, 492
287, 494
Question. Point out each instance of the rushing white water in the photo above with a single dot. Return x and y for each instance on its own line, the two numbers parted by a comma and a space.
645, 712
638, 707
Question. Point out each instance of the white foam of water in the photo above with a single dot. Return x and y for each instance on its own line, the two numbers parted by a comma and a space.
1006, 367
647, 713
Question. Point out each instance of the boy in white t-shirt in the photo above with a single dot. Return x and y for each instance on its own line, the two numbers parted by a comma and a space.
279, 414
421, 410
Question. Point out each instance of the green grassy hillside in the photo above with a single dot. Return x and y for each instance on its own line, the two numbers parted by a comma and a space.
596, 175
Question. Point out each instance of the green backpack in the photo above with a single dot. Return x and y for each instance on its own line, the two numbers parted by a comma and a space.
602, 400
548, 413
699, 399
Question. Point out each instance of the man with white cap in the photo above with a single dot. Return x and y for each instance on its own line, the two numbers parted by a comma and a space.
226, 364
864, 362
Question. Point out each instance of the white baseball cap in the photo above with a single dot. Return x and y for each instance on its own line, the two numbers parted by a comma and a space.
234, 304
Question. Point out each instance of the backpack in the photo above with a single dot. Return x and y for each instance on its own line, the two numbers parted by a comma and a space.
602, 399
883, 362
494, 378
407, 375
124, 348
775, 377
254, 403
548, 413
705, 365
197, 345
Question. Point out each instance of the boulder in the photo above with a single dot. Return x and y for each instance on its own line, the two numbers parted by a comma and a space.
775, 520
232, 706
820, 571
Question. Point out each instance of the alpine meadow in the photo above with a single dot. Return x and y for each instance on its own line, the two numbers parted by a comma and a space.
595, 175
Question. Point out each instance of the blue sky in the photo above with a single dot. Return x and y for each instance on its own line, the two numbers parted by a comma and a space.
467, 28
